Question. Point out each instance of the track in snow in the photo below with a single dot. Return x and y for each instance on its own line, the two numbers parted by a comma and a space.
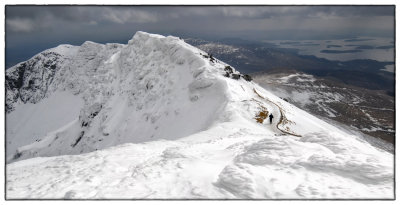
278, 110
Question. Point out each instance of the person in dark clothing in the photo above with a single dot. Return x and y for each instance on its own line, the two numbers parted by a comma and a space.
270, 118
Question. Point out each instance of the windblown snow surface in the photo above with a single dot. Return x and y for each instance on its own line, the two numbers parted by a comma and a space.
159, 119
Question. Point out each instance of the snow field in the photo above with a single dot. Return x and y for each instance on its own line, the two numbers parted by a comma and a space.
218, 163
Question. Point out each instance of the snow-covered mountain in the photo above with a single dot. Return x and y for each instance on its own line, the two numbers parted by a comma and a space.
159, 118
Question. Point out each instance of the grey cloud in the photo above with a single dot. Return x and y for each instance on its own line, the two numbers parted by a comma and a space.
308, 11
356, 11
127, 16
21, 17
20, 25
31, 18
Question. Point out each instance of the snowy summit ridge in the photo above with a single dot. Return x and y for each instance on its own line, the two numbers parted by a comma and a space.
159, 118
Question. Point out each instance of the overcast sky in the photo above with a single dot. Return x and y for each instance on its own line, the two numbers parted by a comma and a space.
31, 29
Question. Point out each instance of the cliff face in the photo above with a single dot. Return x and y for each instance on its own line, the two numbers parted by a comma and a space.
30, 80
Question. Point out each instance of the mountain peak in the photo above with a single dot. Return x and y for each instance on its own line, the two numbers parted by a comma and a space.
154, 78
145, 35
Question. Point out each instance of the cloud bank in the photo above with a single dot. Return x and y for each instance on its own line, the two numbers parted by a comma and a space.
32, 28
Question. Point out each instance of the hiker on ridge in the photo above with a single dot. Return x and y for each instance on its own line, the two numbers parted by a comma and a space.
270, 118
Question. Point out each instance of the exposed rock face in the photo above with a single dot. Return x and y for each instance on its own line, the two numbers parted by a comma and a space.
30, 80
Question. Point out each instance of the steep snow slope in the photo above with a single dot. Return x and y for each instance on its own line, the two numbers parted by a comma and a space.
190, 131
30, 122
